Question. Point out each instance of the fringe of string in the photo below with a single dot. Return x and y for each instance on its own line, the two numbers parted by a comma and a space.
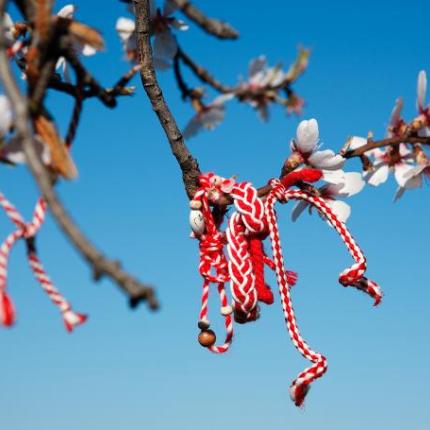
248, 226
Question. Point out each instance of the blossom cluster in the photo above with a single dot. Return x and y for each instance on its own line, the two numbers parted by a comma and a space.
409, 163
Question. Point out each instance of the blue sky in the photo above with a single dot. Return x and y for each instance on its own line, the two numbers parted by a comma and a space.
127, 369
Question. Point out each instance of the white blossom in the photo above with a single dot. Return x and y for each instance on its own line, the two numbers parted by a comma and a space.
330, 193
421, 90
385, 162
164, 43
306, 144
209, 117
13, 151
68, 12
6, 115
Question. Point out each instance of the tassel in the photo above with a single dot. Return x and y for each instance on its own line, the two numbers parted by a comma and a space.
73, 319
7, 310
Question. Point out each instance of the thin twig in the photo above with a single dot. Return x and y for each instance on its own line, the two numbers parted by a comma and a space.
392, 141
100, 264
203, 74
213, 26
187, 163
88, 79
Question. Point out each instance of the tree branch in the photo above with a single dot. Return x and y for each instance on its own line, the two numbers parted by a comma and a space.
203, 74
213, 26
392, 141
187, 163
100, 264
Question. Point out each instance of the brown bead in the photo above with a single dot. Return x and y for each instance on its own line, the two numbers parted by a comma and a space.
207, 338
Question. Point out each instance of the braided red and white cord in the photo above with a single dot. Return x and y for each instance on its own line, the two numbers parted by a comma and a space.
247, 220
28, 231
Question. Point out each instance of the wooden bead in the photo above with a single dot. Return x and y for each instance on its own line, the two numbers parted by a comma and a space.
207, 338
195, 204
203, 324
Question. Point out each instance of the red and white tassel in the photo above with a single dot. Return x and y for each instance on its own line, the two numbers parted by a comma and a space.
70, 317
28, 232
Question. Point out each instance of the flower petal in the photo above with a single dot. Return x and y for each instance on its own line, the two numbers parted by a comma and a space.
326, 159
88, 50
400, 170
355, 142
341, 209
298, 209
333, 176
257, 65
6, 115
67, 11
424, 132
125, 28
192, 128
221, 99
179, 24
377, 176
213, 117
307, 136
399, 193
396, 112
13, 152
165, 46
421, 89
353, 184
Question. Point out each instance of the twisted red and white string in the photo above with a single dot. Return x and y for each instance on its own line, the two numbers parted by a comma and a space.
354, 275
301, 384
28, 232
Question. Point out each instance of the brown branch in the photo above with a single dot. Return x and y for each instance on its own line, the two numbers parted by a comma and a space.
392, 141
87, 79
100, 264
203, 74
187, 163
213, 26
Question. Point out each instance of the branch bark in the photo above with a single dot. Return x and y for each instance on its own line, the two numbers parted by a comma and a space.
187, 163
392, 141
100, 264
212, 26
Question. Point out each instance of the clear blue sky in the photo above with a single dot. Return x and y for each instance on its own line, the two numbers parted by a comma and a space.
127, 370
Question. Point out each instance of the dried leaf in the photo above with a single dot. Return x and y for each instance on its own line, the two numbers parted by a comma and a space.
61, 161
86, 35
